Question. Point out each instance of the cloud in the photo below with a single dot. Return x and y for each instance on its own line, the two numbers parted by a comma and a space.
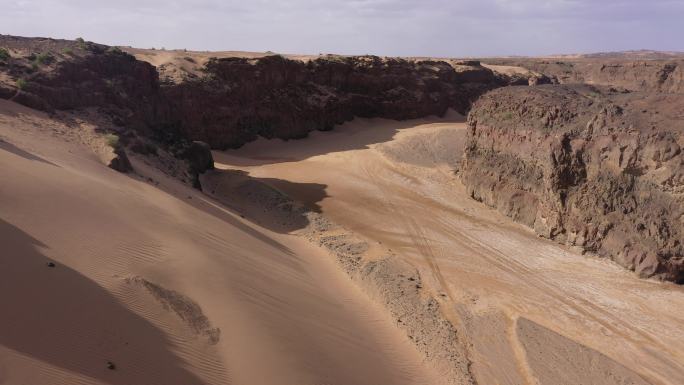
385, 27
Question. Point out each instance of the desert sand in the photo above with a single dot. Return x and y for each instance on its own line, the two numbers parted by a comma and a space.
166, 284
532, 311
157, 283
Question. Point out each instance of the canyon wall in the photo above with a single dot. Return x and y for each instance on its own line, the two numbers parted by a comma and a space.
234, 100
586, 166
239, 99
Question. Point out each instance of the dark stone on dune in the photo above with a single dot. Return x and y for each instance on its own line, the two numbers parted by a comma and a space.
199, 157
50, 264
111, 365
120, 162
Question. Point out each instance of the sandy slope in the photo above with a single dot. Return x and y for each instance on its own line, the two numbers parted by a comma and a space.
165, 283
534, 312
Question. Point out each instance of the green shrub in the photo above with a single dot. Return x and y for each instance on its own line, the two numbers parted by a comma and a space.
67, 51
43, 58
21, 84
4, 54
81, 43
112, 140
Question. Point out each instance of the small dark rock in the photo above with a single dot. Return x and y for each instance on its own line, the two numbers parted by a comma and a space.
120, 163
110, 365
51, 264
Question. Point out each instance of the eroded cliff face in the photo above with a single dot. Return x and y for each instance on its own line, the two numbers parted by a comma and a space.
234, 100
239, 99
587, 167
49, 74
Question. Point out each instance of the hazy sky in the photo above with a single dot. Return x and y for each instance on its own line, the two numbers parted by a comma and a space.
382, 27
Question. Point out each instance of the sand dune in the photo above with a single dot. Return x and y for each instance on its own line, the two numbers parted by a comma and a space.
533, 311
166, 284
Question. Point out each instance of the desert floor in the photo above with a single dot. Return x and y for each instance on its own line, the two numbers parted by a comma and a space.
534, 311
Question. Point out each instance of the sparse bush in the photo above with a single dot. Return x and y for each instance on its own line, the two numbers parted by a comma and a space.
21, 84
81, 43
112, 140
115, 50
67, 51
4, 54
43, 58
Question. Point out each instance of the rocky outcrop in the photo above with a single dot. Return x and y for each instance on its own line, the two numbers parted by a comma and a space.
199, 158
663, 75
587, 167
49, 74
120, 161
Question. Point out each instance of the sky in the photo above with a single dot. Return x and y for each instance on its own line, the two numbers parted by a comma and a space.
440, 28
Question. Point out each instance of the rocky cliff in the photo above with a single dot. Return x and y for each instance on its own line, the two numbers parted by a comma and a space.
239, 99
585, 166
234, 100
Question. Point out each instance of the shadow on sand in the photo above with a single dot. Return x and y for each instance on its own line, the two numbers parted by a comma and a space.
9, 147
265, 201
359, 134
58, 316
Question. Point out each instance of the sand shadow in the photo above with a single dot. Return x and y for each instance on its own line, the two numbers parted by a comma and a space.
9, 147
265, 202
356, 135
58, 316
